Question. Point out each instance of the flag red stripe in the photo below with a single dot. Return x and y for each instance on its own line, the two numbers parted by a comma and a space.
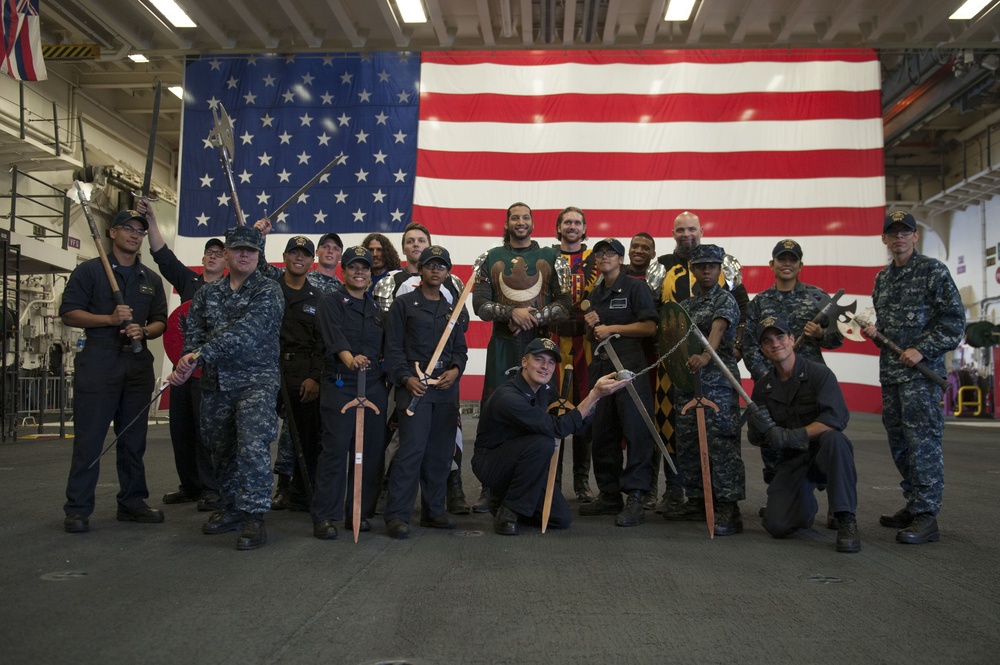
682, 107
652, 166
712, 57
782, 223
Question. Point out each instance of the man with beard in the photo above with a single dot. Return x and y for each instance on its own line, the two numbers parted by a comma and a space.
522, 289
384, 256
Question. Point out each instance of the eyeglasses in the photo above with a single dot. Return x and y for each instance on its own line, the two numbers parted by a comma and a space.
435, 267
900, 233
603, 253
214, 253
134, 231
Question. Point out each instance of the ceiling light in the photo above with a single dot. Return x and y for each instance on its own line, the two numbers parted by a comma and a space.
173, 13
177, 90
411, 11
138, 57
679, 10
969, 9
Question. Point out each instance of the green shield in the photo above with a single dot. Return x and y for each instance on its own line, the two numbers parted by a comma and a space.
674, 325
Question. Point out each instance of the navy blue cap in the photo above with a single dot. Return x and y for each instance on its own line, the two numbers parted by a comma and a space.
544, 345
707, 254
787, 246
358, 253
244, 236
435, 253
899, 217
610, 243
778, 322
214, 242
330, 236
300, 242
125, 216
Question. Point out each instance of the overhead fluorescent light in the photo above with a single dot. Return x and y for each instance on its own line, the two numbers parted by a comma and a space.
679, 10
177, 90
138, 57
969, 9
173, 13
411, 11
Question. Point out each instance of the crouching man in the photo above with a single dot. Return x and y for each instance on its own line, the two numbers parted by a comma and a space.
809, 416
517, 435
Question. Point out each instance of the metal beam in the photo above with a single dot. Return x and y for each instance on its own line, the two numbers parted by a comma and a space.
840, 19
133, 38
569, 22
698, 24
934, 14
445, 36
656, 11
311, 39
527, 24
354, 36
485, 23
267, 40
158, 26
194, 10
790, 21
611, 22
401, 38
887, 18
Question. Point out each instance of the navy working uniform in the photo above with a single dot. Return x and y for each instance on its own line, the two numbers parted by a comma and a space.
626, 301
514, 445
237, 335
191, 457
917, 306
811, 395
427, 438
727, 471
355, 325
110, 382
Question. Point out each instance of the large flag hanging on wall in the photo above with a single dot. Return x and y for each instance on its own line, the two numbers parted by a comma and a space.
22, 41
761, 145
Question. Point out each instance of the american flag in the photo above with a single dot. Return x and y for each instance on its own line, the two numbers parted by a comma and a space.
22, 41
762, 145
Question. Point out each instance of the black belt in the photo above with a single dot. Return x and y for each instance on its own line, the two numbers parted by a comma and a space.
124, 344
295, 354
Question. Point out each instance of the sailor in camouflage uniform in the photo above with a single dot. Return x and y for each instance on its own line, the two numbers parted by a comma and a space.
714, 310
919, 308
233, 329
522, 289
794, 301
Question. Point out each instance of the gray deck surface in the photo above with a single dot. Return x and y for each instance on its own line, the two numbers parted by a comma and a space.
662, 592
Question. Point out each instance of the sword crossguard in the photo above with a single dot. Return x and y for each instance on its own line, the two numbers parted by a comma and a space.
700, 403
605, 341
425, 378
561, 406
359, 403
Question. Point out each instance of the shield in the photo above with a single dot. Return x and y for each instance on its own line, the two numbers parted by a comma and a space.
674, 324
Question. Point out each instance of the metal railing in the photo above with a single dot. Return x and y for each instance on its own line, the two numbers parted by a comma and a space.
42, 397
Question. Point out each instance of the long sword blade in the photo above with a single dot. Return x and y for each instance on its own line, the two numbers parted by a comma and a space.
339, 159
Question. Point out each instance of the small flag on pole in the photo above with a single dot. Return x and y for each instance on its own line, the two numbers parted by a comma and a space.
22, 41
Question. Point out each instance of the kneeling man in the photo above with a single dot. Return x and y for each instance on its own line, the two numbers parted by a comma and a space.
809, 416
517, 436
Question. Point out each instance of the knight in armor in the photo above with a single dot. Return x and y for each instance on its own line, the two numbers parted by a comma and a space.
523, 290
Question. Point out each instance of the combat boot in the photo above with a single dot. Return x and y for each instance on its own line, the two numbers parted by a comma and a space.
633, 514
222, 521
253, 534
728, 519
456, 496
581, 487
923, 529
281, 489
692, 510
848, 540
899, 520
605, 504
482, 504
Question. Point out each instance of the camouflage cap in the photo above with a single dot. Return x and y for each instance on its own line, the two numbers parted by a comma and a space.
244, 236
544, 345
707, 254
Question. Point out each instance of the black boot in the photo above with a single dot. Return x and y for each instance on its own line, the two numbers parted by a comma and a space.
581, 487
923, 529
899, 520
253, 534
281, 488
692, 510
633, 514
482, 504
848, 540
604, 504
728, 519
456, 497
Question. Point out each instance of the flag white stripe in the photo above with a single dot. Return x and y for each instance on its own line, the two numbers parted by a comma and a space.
666, 79
496, 195
652, 137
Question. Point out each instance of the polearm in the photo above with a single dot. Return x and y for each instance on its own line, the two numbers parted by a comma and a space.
560, 406
425, 378
222, 137
700, 403
359, 404
339, 159
898, 350
293, 432
147, 177
825, 306
112, 281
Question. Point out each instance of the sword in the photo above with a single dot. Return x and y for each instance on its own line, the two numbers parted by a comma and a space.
293, 431
828, 306
151, 150
700, 403
222, 137
626, 375
559, 407
339, 159
112, 281
358, 404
